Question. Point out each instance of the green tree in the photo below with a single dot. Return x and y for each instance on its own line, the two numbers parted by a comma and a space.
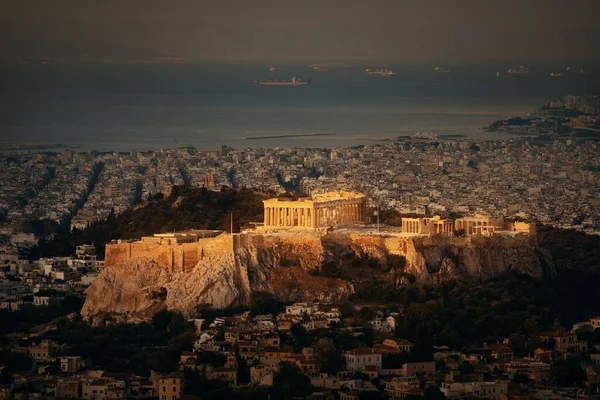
264, 303
567, 372
290, 383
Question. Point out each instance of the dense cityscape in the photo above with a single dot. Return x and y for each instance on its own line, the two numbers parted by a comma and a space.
318, 200
323, 349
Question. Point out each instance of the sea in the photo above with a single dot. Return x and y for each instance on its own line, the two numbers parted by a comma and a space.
125, 106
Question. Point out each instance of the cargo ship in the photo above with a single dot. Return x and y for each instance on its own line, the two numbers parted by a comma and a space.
384, 72
522, 70
578, 70
440, 70
321, 69
556, 74
277, 82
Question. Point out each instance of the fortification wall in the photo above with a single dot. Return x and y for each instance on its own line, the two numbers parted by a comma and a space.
174, 257
457, 256
115, 253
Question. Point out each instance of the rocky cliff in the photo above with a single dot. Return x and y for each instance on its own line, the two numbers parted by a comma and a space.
304, 267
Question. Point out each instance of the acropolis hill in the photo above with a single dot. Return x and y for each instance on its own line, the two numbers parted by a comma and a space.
285, 254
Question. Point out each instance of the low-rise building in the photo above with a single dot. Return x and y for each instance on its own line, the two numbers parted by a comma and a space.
361, 357
399, 345
43, 351
565, 342
418, 368
71, 364
170, 386
94, 389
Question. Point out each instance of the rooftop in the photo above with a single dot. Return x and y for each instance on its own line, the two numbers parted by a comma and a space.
320, 198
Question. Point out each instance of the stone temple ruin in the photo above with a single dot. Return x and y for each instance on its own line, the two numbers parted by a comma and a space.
304, 218
319, 211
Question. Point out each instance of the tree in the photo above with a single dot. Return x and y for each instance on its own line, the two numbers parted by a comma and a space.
290, 383
331, 359
395, 360
432, 392
347, 310
264, 303
232, 221
170, 321
300, 336
567, 372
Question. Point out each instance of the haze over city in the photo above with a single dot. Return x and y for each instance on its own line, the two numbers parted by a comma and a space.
307, 30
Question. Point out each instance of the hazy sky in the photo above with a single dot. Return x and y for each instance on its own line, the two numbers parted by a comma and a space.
317, 29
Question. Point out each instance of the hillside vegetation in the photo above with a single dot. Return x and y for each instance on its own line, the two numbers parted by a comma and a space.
184, 208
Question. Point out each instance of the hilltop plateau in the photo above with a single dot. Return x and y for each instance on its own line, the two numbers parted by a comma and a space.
326, 265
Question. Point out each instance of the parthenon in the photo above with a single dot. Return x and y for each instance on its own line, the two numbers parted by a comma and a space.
319, 211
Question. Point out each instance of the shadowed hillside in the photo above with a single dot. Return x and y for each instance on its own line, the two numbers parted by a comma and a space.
184, 208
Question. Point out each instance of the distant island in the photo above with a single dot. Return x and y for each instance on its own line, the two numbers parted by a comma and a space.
35, 146
571, 115
288, 136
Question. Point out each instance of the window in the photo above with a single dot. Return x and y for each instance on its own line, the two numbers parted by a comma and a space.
164, 397
174, 389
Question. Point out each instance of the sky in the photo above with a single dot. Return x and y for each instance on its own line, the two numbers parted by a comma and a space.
310, 29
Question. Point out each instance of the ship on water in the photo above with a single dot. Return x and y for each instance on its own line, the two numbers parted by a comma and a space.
440, 70
556, 74
272, 69
317, 68
522, 70
279, 82
383, 72
577, 70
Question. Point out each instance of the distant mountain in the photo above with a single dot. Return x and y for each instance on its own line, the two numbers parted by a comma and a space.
68, 49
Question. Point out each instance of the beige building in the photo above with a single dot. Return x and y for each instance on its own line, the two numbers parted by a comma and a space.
418, 368
565, 342
427, 226
71, 364
43, 351
68, 388
399, 345
519, 227
96, 389
191, 236
362, 357
477, 225
169, 387
319, 211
